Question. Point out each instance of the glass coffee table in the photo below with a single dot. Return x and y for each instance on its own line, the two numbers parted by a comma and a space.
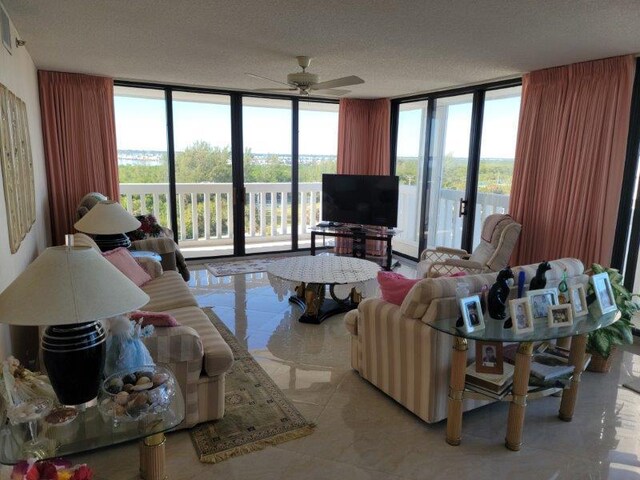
308, 277
495, 332
90, 430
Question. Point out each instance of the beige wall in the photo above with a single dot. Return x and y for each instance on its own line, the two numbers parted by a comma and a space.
18, 73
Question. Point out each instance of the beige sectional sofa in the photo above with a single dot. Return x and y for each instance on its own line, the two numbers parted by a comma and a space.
393, 347
194, 351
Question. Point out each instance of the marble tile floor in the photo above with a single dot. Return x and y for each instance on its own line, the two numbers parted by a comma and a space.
363, 434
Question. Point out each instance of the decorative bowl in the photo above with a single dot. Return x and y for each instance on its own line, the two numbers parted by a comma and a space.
130, 395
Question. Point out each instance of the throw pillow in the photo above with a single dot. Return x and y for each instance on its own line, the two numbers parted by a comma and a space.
395, 286
123, 261
157, 319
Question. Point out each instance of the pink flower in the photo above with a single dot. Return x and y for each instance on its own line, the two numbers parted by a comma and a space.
82, 473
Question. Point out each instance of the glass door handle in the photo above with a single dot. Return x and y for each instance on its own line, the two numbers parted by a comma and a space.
462, 208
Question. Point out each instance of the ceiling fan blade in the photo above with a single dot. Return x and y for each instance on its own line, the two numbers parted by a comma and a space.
266, 78
332, 91
275, 90
338, 82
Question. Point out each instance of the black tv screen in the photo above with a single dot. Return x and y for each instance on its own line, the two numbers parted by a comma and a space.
360, 199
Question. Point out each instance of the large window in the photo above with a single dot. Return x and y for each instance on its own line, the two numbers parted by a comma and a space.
202, 138
497, 154
141, 132
410, 154
318, 150
266, 130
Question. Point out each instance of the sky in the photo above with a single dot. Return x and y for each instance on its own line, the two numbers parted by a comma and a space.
141, 125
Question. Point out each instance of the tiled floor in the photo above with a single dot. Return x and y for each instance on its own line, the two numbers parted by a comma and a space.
363, 434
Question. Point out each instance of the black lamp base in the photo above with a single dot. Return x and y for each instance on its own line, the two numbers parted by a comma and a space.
74, 358
111, 242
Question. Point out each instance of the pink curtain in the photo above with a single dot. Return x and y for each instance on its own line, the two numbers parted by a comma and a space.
570, 157
363, 148
80, 143
363, 137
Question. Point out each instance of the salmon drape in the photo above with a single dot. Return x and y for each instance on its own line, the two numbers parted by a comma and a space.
364, 148
78, 127
570, 157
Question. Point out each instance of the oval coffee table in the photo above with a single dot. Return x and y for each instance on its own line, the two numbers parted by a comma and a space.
308, 277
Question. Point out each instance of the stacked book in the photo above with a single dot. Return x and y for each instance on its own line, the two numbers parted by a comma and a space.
490, 384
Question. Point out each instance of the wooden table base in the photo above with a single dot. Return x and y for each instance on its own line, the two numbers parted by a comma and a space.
152, 457
456, 389
515, 421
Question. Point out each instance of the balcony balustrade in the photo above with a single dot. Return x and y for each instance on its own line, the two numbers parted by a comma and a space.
205, 212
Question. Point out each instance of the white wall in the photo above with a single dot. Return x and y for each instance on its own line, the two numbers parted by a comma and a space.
18, 73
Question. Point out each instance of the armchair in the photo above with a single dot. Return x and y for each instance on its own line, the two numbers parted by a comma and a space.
150, 237
499, 236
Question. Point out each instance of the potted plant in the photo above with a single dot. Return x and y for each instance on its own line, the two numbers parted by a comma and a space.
602, 343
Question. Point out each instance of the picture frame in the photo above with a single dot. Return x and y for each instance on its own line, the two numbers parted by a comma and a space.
521, 315
578, 300
540, 300
489, 357
472, 318
605, 298
559, 315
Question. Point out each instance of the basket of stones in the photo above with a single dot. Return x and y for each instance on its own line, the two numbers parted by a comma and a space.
133, 394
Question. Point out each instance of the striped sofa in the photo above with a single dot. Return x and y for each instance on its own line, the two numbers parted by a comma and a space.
194, 351
393, 347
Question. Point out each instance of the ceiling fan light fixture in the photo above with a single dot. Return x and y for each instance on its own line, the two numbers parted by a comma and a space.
302, 78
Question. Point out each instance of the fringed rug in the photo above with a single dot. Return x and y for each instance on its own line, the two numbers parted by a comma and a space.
239, 267
257, 414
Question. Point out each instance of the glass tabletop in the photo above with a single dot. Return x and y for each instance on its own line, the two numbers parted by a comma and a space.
90, 430
494, 330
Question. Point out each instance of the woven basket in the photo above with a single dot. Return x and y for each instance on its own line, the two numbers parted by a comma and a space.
599, 364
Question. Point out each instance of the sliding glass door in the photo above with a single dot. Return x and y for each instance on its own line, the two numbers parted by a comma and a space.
268, 167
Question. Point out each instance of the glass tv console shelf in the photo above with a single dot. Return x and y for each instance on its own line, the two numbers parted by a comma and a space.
520, 392
358, 236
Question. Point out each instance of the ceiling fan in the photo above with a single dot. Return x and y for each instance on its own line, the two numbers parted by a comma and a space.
304, 83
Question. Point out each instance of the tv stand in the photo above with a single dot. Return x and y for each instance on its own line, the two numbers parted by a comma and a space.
359, 234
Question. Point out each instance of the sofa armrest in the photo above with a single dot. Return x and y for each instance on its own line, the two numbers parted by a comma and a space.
175, 345
152, 267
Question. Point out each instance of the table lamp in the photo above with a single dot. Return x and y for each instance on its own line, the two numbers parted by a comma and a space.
69, 290
109, 222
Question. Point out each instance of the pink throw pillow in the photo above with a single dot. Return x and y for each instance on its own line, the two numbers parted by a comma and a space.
458, 274
395, 286
123, 261
157, 319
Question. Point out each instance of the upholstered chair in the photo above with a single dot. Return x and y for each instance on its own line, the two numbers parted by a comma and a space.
162, 243
499, 235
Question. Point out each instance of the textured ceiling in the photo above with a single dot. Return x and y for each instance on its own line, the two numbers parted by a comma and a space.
398, 47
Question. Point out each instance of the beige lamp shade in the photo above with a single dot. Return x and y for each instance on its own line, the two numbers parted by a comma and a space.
107, 218
67, 285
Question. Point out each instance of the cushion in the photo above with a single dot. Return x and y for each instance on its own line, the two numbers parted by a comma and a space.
395, 286
123, 261
167, 291
157, 319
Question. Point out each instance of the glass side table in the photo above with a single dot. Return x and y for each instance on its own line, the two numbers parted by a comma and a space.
90, 430
494, 332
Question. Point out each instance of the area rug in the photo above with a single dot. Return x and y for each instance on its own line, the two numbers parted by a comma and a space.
239, 267
257, 414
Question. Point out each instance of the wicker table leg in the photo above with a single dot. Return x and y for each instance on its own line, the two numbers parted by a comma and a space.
576, 358
456, 389
515, 421
152, 457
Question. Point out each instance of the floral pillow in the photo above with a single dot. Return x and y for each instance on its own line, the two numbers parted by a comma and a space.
149, 227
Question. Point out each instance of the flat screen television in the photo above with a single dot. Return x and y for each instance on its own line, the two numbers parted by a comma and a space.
360, 199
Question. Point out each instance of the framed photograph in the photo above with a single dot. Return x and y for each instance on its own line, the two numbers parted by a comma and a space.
605, 298
541, 300
521, 316
578, 299
471, 314
489, 357
560, 315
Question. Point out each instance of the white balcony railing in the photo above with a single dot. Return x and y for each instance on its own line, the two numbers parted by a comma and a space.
205, 212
